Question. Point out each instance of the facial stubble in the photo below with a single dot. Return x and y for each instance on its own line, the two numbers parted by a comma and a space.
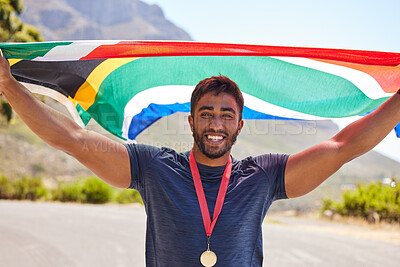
198, 139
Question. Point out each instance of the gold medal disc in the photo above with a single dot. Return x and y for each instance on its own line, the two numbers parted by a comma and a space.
208, 258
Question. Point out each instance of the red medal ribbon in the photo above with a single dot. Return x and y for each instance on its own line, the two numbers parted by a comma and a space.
208, 225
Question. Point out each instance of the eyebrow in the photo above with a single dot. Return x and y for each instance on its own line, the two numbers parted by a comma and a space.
222, 109
206, 108
229, 109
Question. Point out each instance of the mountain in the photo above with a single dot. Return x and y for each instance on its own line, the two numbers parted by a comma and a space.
101, 19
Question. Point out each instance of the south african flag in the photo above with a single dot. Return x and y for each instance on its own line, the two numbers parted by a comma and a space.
128, 85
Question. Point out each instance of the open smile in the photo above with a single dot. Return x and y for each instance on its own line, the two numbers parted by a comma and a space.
215, 138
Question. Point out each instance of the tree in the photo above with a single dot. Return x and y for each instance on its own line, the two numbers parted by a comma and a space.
11, 27
13, 30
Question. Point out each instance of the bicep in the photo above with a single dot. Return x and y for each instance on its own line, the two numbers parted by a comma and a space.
308, 169
107, 159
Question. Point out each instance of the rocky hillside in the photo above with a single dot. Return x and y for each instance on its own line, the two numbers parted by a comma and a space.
100, 19
22, 153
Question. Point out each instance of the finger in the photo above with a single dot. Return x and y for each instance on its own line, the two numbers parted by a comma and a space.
3, 59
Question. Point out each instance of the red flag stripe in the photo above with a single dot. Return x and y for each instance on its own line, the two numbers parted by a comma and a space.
158, 48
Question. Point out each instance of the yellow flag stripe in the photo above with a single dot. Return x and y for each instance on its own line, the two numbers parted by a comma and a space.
13, 61
86, 94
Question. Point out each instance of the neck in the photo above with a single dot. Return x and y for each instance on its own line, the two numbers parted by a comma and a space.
204, 160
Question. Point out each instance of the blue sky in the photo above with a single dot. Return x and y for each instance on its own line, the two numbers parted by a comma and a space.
352, 24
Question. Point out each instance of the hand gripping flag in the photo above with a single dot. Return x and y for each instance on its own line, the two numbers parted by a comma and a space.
128, 85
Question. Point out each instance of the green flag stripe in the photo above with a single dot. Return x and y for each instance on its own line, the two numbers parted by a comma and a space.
29, 51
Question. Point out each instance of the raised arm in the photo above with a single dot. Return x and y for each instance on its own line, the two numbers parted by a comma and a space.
107, 159
308, 169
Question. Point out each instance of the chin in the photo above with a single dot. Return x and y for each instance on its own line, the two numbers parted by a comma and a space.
214, 156
214, 153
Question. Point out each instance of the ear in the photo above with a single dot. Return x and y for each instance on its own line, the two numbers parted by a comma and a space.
240, 126
190, 120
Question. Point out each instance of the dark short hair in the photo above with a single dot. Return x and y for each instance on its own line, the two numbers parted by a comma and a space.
217, 84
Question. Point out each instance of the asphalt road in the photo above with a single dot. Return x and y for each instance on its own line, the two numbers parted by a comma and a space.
53, 234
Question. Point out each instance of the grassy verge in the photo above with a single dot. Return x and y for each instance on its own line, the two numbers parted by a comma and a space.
86, 190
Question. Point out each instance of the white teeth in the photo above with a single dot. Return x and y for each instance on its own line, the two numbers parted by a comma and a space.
214, 137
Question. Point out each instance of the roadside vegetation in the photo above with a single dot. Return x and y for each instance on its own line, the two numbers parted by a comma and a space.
373, 202
86, 190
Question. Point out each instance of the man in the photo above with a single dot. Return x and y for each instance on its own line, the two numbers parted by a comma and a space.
181, 190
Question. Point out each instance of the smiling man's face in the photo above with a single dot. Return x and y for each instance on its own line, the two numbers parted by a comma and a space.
215, 124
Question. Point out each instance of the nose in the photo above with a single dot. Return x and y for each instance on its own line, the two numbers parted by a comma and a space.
216, 123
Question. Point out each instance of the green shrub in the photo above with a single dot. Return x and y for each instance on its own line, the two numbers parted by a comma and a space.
67, 193
28, 188
93, 190
327, 204
368, 201
127, 196
5, 188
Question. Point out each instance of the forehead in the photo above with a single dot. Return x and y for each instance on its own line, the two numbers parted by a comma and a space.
217, 102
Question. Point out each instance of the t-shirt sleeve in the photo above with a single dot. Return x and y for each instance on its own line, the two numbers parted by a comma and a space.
140, 155
274, 166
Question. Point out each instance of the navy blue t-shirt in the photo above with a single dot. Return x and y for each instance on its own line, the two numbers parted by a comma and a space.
175, 233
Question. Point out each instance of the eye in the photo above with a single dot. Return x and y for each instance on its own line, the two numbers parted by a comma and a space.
205, 115
227, 116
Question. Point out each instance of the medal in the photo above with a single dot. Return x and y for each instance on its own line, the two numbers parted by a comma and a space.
208, 258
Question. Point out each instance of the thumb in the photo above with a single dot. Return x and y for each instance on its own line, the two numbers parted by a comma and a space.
5, 71
2, 54
3, 60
